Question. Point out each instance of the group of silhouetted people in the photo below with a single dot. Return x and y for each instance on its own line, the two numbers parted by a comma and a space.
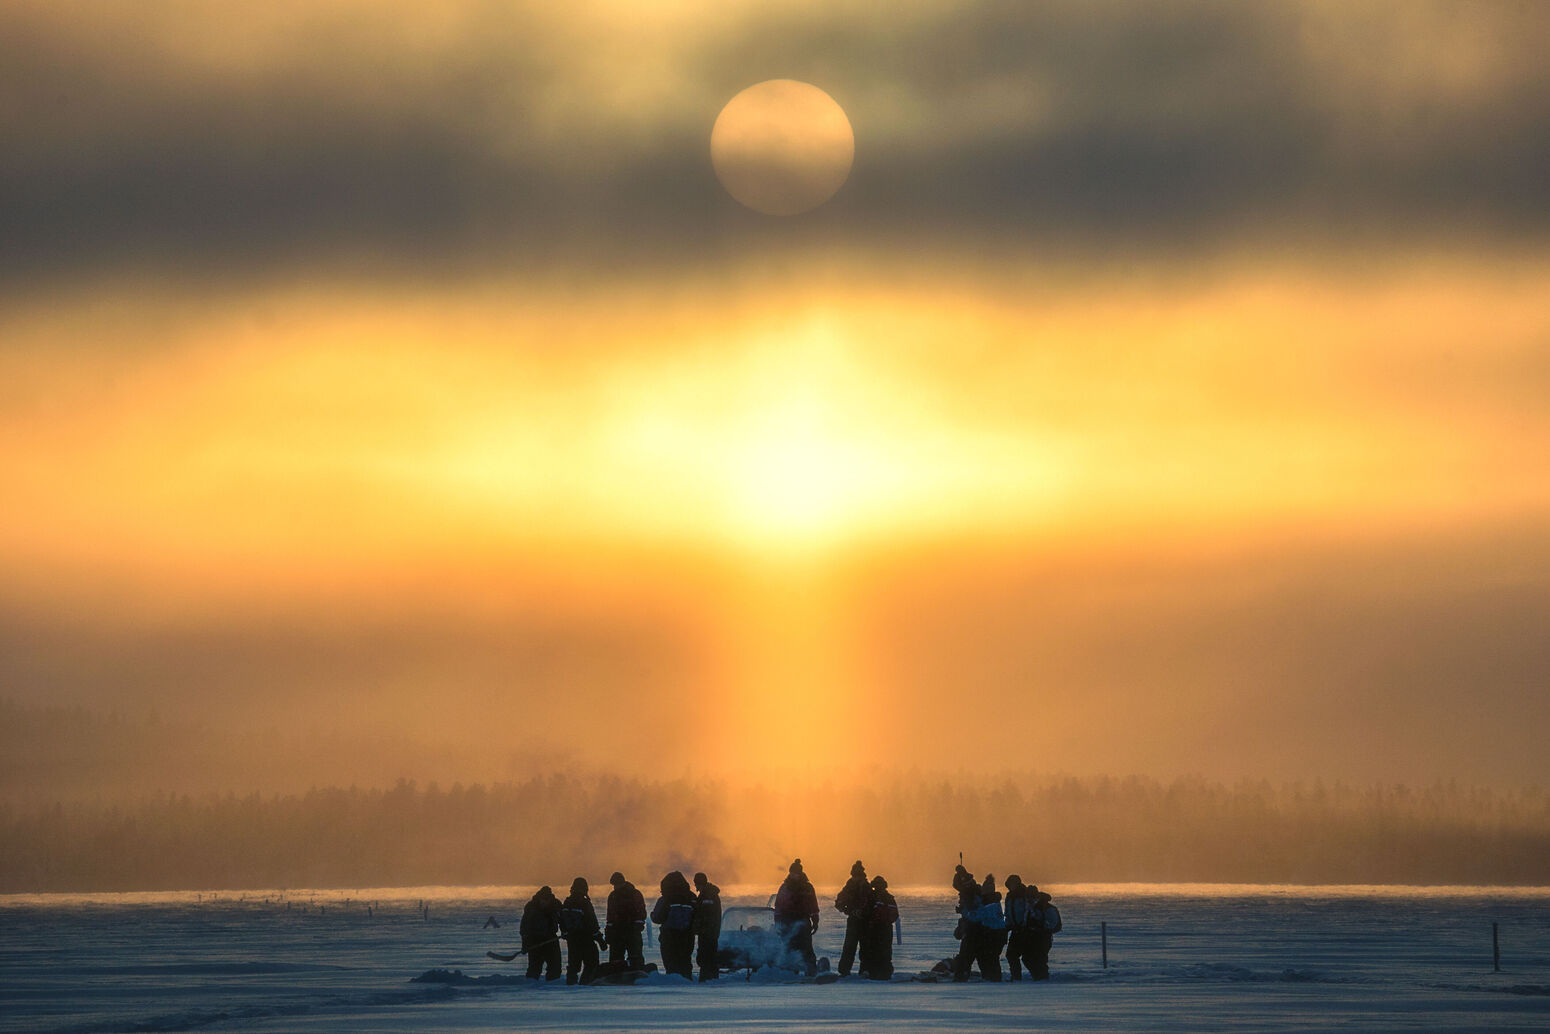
685, 915
1023, 922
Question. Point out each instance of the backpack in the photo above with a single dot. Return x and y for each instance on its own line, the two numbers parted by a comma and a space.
680, 916
573, 921
884, 913
1051, 918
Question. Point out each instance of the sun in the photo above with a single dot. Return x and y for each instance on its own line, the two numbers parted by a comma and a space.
782, 147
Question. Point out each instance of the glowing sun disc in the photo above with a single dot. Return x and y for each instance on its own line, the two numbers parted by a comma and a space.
782, 147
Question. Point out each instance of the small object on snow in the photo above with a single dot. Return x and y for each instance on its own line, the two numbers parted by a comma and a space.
492, 921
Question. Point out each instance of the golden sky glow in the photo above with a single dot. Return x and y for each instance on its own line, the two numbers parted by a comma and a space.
773, 423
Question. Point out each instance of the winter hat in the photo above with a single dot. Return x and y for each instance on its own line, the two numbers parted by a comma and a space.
989, 885
1014, 881
878, 883
578, 885
858, 869
796, 868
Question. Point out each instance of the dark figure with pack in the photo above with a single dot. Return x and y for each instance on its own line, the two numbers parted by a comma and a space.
707, 926
674, 912
1046, 924
578, 925
541, 934
796, 916
992, 931
968, 930
623, 923
877, 918
850, 902
1021, 937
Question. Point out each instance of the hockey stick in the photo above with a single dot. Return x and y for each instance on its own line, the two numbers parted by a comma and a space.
507, 958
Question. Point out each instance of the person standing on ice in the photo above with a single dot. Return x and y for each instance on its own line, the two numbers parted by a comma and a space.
541, 935
968, 930
796, 915
1046, 925
578, 925
623, 923
1020, 935
877, 917
850, 902
674, 912
707, 926
992, 937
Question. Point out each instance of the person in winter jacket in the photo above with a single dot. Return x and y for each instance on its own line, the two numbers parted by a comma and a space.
707, 926
541, 934
1046, 924
578, 925
1020, 934
674, 913
877, 918
968, 931
796, 915
992, 932
623, 923
850, 902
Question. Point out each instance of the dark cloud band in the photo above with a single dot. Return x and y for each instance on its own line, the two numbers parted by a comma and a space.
1176, 127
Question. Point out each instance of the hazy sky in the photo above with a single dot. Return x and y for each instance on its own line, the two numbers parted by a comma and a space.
1165, 390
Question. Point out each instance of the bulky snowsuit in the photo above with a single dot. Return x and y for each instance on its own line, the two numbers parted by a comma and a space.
877, 919
992, 934
674, 912
578, 925
968, 932
541, 934
796, 916
623, 923
1046, 924
1021, 938
850, 902
707, 930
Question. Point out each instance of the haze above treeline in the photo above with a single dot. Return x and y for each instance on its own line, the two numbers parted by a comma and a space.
909, 827
144, 804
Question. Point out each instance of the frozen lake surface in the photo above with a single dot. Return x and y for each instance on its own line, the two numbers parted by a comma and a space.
1181, 957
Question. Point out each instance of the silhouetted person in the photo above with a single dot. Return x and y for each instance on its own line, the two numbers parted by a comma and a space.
796, 915
541, 934
877, 918
968, 931
578, 925
623, 923
674, 912
1021, 938
850, 902
1046, 926
707, 926
992, 935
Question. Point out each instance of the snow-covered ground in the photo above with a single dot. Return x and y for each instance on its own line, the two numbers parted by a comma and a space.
1180, 958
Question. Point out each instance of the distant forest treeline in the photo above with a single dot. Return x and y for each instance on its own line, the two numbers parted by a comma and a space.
910, 828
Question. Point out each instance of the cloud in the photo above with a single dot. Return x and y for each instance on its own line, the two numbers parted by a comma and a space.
480, 134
